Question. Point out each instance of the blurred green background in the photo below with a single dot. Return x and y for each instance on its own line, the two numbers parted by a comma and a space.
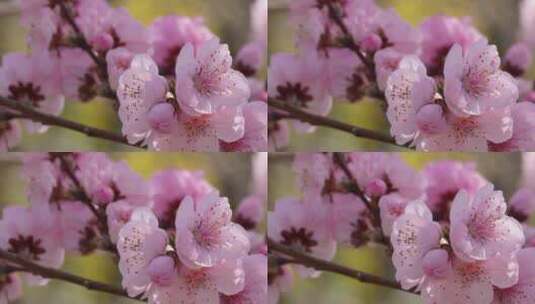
502, 169
228, 172
229, 21
498, 19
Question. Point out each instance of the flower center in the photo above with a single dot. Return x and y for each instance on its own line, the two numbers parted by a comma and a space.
26, 92
300, 239
195, 279
296, 94
481, 228
206, 235
27, 247
476, 83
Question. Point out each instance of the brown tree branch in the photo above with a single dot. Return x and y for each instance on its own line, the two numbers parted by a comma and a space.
348, 40
372, 205
27, 112
321, 265
80, 38
50, 273
322, 121
99, 213
81, 42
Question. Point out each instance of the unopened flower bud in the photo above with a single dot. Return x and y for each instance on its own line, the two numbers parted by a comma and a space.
161, 117
103, 42
430, 119
371, 43
162, 271
376, 188
103, 195
518, 59
436, 263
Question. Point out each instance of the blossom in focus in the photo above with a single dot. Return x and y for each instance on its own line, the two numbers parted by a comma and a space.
439, 34
414, 234
473, 81
480, 229
205, 234
205, 80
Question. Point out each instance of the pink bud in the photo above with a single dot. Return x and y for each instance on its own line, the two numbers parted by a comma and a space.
162, 271
522, 204
376, 188
371, 43
436, 263
518, 59
161, 117
250, 212
430, 119
251, 56
530, 97
103, 195
102, 42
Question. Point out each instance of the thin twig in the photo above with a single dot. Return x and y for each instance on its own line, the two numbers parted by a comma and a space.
348, 40
81, 41
80, 38
84, 197
51, 120
322, 121
340, 160
321, 265
62, 276
373, 207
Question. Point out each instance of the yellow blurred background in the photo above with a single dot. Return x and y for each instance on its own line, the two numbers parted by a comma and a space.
230, 173
498, 19
502, 169
229, 19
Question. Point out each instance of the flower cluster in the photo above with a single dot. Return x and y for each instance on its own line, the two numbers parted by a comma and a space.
176, 86
452, 236
445, 86
175, 237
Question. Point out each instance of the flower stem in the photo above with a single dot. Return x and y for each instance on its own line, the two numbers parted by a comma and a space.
50, 273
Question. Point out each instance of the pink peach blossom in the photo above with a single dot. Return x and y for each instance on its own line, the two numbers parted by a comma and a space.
473, 81
524, 290
479, 227
444, 180
471, 282
205, 235
414, 234
170, 187
33, 234
440, 33
408, 89
294, 224
169, 34
255, 288
140, 242
140, 88
205, 80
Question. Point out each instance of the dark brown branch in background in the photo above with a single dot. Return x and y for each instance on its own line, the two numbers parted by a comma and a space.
60, 275
348, 40
372, 205
27, 112
99, 213
322, 121
81, 41
321, 265
340, 160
